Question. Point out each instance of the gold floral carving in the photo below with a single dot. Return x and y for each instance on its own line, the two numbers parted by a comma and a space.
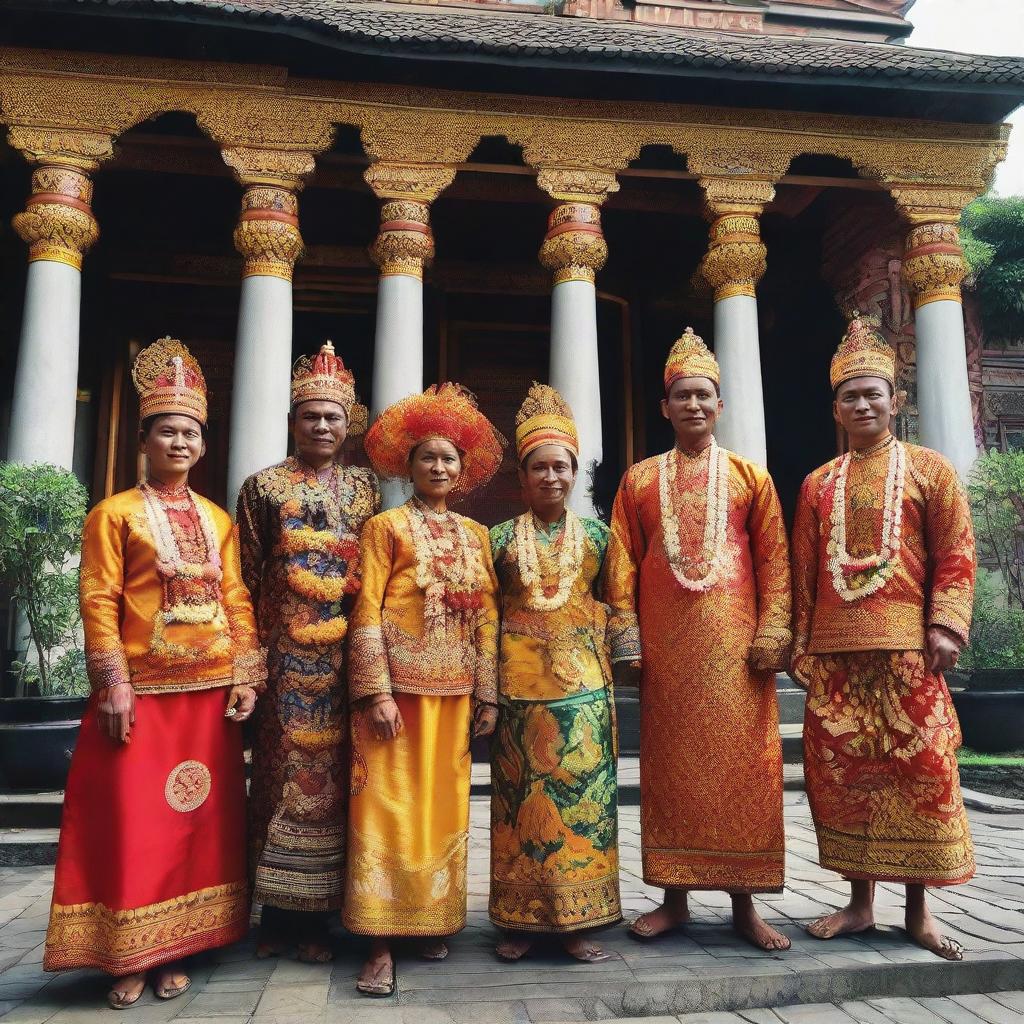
736, 258
419, 182
933, 264
57, 222
923, 205
736, 195
282, 168
81, 149
574, 184
268, 234
404, 244
574, 248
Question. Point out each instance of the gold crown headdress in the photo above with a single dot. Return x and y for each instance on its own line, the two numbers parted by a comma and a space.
545, 418
169, 381
690, 357
863, 352
323, 378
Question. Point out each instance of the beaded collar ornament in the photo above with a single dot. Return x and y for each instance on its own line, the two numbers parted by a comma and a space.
716, 517
534, 567
877, 569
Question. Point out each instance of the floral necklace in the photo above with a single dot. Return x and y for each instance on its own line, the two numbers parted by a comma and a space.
448, 567
877, 568
569, 564
191, 582
716, 518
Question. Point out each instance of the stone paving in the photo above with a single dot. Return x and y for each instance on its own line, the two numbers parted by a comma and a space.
877, 975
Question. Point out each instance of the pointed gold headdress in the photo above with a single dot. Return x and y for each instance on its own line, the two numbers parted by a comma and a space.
863, 352
545, 418
690, 357
169, 381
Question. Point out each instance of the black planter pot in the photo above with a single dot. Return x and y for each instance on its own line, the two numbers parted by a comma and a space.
37, 736
991, 710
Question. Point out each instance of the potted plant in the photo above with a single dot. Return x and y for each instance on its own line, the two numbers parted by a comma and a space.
991, 703
42, 509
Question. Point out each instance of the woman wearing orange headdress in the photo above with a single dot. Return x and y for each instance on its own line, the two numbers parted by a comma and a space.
554, 850
422, 675
151, 865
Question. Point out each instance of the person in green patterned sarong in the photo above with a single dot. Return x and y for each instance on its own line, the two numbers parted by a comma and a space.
554, 843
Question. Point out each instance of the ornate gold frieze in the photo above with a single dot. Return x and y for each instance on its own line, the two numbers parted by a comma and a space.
933, 264
404, 243
414, 135
724, 196
285, 169
574, 248
267, 234
57, 222
574, 184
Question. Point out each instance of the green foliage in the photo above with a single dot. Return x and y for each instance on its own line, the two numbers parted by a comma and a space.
997, 632
997, 506
993, 241
42, 509
966, 756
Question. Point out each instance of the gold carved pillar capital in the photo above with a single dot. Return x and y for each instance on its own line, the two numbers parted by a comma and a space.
736, 258
574, 247
933, 260
267, 234
420, 183
57, 222
404, 242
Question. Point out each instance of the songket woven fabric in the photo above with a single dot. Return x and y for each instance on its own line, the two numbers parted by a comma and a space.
711, 758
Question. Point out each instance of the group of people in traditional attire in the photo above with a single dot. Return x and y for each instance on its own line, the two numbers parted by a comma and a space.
371, 647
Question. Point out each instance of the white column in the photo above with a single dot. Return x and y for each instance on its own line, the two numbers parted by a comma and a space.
575, 374
403, 246
397, 357
574, 249
741, 427
945, 418
59, 226
262, 373
268, 237
934, 267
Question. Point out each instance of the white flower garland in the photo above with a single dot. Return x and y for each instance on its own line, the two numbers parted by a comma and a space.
879, 567
570, 561
716, 518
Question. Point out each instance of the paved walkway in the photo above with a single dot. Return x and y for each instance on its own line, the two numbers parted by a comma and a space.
706, 969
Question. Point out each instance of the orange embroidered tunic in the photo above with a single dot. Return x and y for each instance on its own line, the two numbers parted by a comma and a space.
711, 764
166, 625
932, 580
406, 636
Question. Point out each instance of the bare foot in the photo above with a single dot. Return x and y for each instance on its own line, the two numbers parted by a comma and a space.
434, 949
925, 931
848, 921
513, 949
377, 978
170, 981
671, 914
584, 949
749, 924
126, 991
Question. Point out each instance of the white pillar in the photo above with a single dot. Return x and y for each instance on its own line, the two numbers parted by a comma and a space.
260, 386
741, 427
575, 374
397, 357
268, 237
59, 226
46, 382
946, 421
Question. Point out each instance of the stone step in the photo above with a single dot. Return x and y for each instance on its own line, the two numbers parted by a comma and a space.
21, 847
31, 810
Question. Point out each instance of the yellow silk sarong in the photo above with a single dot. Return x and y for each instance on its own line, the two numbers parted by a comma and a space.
408, 821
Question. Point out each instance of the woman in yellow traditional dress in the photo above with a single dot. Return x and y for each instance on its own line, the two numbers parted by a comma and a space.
554, 850
422, 673
151, 864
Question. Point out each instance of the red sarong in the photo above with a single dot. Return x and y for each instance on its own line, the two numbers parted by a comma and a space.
151, 862
880, 742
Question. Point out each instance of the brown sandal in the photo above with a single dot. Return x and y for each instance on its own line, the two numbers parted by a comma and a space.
379, 989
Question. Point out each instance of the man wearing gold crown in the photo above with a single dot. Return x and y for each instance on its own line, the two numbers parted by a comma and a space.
883, 567
698, 582
151, 864
299, 524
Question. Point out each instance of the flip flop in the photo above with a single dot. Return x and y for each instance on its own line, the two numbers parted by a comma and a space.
379, 989
116, 1003
438, 952
594, 956
172, 991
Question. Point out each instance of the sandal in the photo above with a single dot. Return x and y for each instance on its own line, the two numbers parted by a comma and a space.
512, 951
380, 988
117, 998
434, 951
172, 991
314, 953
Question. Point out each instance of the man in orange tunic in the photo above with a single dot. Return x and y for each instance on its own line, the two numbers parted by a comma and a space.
698, 578
883, 566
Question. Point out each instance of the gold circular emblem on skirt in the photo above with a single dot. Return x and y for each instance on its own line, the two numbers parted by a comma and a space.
188, 786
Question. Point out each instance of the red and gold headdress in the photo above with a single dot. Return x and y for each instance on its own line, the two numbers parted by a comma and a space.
545, 418
443, 410
323, 378
169, 381
690, 357
863, 352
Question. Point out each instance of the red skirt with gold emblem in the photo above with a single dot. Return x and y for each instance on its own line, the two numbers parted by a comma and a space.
151, 862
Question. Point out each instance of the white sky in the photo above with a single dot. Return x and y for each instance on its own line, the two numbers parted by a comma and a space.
978, 26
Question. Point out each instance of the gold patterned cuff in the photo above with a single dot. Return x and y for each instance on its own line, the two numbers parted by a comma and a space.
368, 671
624, 636
249, 668
954, 623
107, 668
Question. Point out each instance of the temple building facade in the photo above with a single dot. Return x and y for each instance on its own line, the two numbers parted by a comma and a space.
490, 192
